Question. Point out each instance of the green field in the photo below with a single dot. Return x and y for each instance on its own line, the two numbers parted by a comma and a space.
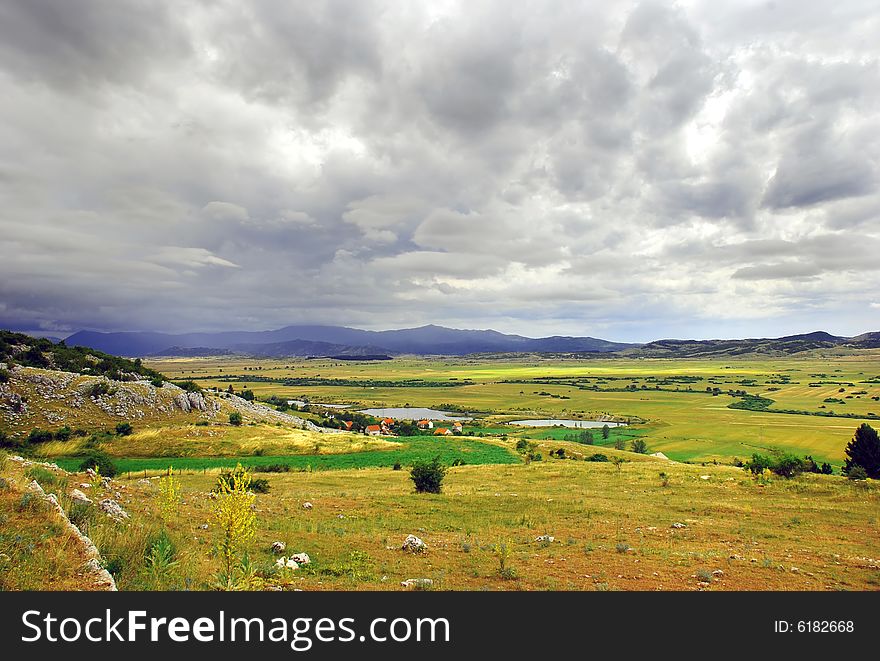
670, 399
410, 450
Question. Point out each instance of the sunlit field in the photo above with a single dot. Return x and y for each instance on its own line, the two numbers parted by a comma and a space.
666, 399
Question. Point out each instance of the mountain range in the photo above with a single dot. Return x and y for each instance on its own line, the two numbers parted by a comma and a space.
339, 341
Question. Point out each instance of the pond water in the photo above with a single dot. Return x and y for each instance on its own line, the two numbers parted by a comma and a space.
413, 413
580, 424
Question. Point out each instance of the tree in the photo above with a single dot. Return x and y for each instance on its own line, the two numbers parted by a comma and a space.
864, 450
638, 445
235, 419
606, 430
428, 475
124, 429
620, 443
100, 462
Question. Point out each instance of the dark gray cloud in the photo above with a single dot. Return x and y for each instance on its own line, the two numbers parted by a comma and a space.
634, 171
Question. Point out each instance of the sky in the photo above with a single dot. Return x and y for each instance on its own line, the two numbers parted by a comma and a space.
622, 170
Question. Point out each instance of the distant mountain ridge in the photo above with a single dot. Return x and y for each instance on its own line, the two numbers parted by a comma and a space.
337, 340
318, 341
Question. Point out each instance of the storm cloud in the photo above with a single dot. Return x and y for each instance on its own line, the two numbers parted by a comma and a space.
626, 170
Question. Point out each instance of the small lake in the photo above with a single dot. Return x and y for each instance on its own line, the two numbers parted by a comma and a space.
412, 413
580, 424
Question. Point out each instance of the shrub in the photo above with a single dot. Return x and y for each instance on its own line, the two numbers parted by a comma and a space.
272, 468
188, 386
168, 497
39, 436
99, 389
157, 382
864, 451
788, 466
63, 434
124, 429
428, 475
235, 419
758, 464
856, 472
638, 445
620, 443
597, 457
235, 518
4, 376
826, 469
100, 462
458, 461
227, 478
396, 466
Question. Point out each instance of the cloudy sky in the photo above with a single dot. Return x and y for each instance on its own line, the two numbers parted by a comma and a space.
659, 169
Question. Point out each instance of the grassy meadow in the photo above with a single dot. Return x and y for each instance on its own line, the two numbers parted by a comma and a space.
667, 397
612, 529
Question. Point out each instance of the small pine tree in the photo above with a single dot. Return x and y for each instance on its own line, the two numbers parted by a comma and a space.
428, 475
235, 419
638, 445
864, 450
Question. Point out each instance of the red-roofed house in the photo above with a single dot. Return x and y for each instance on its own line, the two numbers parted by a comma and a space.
373, 430
425, 424
348, 424
442, 431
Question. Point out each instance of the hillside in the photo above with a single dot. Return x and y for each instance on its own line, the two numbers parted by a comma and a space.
29, 351
337, 340
781, 346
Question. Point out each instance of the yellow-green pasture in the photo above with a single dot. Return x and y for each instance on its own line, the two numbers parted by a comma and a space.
681, 419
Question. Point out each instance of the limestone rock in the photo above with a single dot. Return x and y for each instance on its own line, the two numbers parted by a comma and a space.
79, 497
413, 544
278, 547
113, 509
418, 583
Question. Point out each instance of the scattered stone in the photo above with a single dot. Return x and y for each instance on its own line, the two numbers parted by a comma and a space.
794, 570
80, 497
736, 557
678, 525
545, 539
286, 563
278, 547
307, 505
413, 544
204, 526
85, 485
705, 477
301, 558
417, 583
718, 572
113, 509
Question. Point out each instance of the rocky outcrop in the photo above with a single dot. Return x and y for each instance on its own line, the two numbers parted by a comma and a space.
99, 577
413, 544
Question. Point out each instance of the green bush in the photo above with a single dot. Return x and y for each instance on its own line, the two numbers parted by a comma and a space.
856, 472
99, 389
124, 429
235, 419
639, 446
597, 457
257, 484
272, 468
101, 461
428, 475
4, 376
40, 436
63, 434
